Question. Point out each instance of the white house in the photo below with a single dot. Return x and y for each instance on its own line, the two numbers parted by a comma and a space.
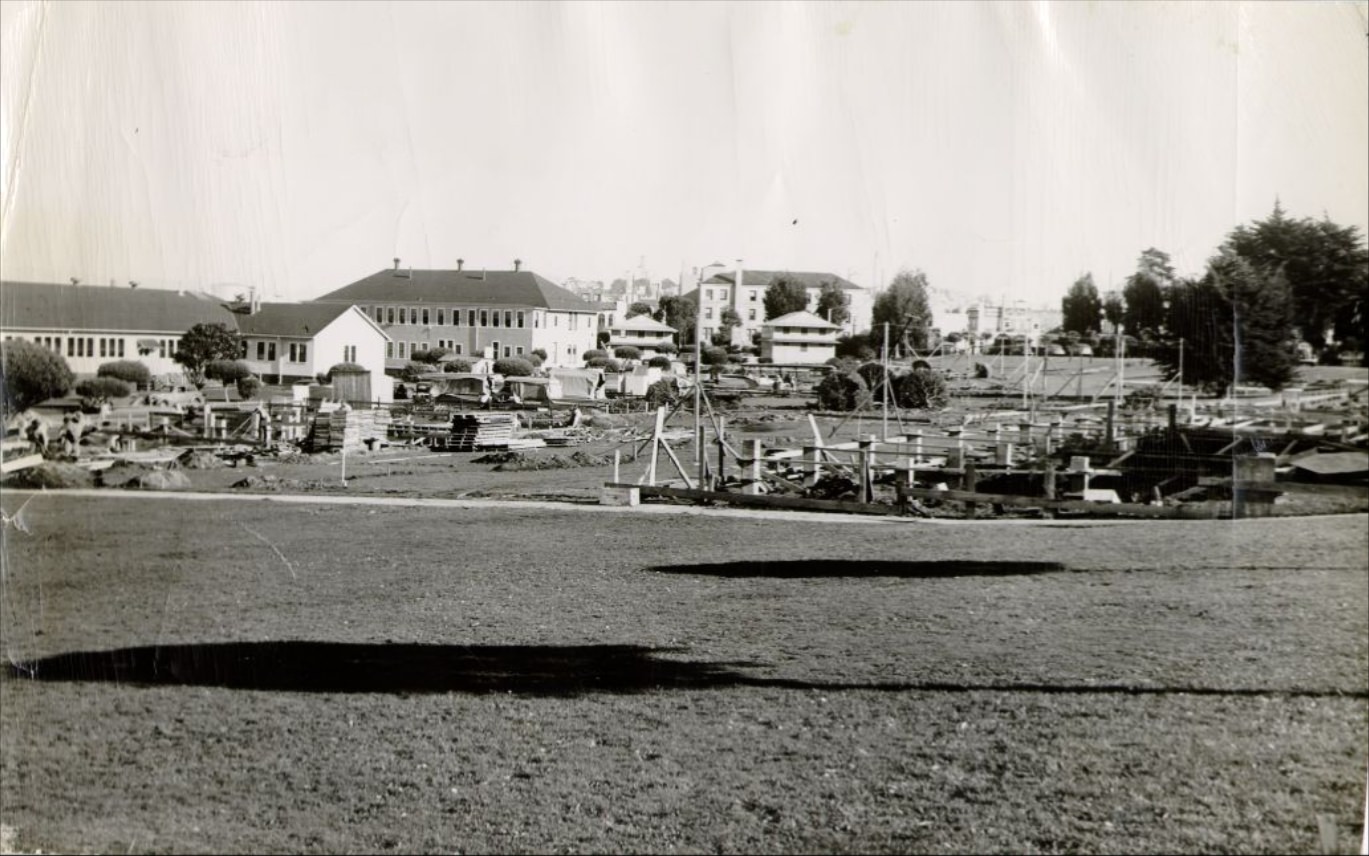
642, 332
798, 338
91, 325
284, 342
511, 312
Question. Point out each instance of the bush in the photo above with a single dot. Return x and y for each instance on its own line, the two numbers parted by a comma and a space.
920, 388
608, 364
536, 360
663, 392
539, 353
593, 354
844, 365
248, 387
413, 371
871, 373
101, 389
842, 391
129, 371
227, 371
31, 374
659, 362
459, 365
345, 368
736, 358
666, 348
627, 352
431, 356
512, 367
714, 356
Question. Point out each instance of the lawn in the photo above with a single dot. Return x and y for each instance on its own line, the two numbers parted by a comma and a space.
241, 675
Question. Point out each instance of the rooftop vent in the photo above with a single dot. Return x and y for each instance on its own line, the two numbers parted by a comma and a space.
460, 263
75, 280
517, 263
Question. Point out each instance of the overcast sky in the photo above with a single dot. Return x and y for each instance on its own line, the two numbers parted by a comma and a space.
1002, 148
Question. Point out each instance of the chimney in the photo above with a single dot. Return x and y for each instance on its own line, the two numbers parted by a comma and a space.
737, 286
460, 263
517, 263
396, 272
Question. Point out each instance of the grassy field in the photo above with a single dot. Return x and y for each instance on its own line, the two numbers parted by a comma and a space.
248, 676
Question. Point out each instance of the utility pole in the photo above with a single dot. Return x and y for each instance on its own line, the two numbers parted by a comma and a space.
885, 427
698, 377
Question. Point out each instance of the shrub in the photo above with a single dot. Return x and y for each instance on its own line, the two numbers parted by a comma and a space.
459, 365
842, 391
413, 371
666, 348
736, 358
536, 361
920, 388
659, 362
431, 356
663, 392
627, 352
100, 389
32, 374
227, 371
129, 371
714, 356
608, 364
248, 387
871, 373
593, 354
512, 367
345, 368
844, 365
539, 353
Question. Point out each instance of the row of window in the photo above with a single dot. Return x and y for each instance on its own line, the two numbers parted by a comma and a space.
752, 294
750, 313
404, 350
266, 352
108, 346
426, 315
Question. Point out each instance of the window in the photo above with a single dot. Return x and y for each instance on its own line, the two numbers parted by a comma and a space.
495, 317
425, 315
271, 352
90, 346
456, 347
404, 315
261, 351
536, 320
518, 351
508, 318
349, 353
389, 350
390, 315
441, 317
121, 346
470, 317
401, 350
751, 314
484, 317
520, 319
71, 346
752, 295
506, 351
555, 320
103, 344
708, 311
244, 349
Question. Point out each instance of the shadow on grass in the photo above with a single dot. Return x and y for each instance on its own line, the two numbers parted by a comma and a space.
816, 568
336, 667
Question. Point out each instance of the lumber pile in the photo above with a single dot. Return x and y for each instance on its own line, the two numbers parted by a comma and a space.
473, 431
348, 429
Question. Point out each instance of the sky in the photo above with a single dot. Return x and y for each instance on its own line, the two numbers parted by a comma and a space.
1002, 148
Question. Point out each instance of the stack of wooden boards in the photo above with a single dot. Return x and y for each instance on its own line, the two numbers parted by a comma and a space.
475, 431
348, 429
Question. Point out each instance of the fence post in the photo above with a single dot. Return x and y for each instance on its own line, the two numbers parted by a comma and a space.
812, 459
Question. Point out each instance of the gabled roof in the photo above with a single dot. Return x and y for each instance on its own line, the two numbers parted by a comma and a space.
642, 322
45, 305
810, 279
490, 288
801, 319
295, 320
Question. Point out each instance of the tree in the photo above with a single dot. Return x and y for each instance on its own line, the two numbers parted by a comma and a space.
1114, 310
129, 371
1145, 292
1326, 266
833, 304
784, 295
904, 307
608, 364
541, 353
843, 391
593, 354
32, 374
1235, 324
728, 319
660, 361
666, 348
202, 344
920, 388
1081, 306
431, 356
857, 345
248, 387
714, 356
639, 308
98, 390
681, 313
627, 352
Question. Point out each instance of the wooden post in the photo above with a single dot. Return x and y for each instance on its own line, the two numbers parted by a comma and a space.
812, 458
1110, 437
969, 481
722, 451
867, 456
917, 446
1050, 479
755, 485
911, 477
1173, 418
616, 453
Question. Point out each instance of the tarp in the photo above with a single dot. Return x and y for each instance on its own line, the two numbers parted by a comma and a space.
580, 383
466, 386
540, 390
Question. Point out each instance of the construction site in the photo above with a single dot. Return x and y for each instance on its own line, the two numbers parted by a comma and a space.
1017, 437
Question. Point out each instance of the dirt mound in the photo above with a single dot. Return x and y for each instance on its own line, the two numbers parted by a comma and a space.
200, 459
121, 473
52, 475
517, 461
160, 480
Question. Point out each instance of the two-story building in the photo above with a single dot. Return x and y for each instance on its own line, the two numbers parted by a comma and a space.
91, 325
799, 338
509, 312
642, 332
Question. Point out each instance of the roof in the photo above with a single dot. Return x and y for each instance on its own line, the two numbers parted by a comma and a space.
44, 305
492, 288
642, 322
801, 319
810, 279
298, 320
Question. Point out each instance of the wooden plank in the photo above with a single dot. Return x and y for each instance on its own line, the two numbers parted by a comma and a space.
1108, 509
765, 500
16, 464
